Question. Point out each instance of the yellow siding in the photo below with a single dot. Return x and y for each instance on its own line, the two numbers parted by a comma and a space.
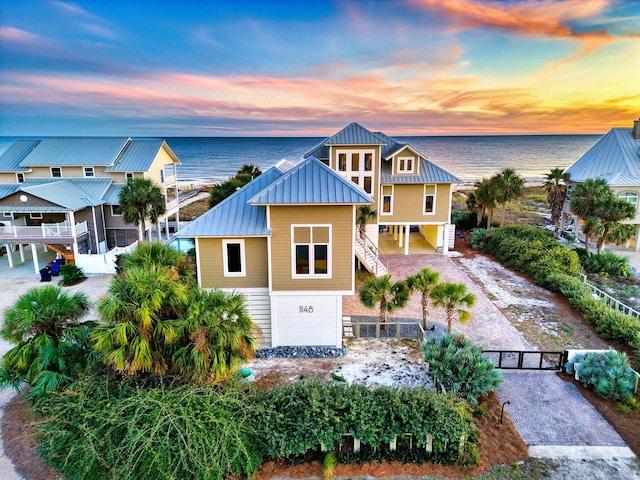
408, 205
405, 153
430, 234
342, 234
211, 269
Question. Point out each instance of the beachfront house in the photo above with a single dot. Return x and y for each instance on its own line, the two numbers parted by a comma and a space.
63, 193
616, 159
288, 240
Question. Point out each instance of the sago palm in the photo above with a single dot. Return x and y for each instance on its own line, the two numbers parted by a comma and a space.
51, 344
423, 282
452, 297
385, 293
217, 336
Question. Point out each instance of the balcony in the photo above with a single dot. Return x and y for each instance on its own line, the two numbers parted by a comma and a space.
49, 232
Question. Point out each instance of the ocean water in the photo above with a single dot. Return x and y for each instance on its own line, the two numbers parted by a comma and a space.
211, 159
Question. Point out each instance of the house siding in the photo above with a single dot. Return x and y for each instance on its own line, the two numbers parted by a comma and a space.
342, 234
407, 205
212, 269
405, 153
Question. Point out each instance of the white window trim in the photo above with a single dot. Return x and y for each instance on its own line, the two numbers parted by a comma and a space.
225, 263
18, 175
129, 176
113, 214
622, 196
361, 173
311, 253
406, 170
93, 172
58, 168
382, 195
424, 197
35, 215
7, 214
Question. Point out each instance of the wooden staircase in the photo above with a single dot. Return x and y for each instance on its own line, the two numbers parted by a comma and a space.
62, 250
369, 255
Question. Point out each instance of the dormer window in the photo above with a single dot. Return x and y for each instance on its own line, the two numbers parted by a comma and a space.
20, 177
56, 172
406, 164
89, 172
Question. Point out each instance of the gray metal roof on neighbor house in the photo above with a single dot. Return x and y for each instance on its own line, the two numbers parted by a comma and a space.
234, 216
75, 151
311, 182
429, 173
68, 193
11, 157
112, 195
7, 189
614, 157
138, 155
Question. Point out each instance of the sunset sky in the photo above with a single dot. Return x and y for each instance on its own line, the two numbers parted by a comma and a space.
302, 67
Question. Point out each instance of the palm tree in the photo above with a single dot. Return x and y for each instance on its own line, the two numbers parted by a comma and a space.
364, 213
423, 282
250, 169
556, 187
51, 345
486, 196
148, 254
141, 315
217, 339
610, 213
451, 296
509, 186
389, 295
141, 199
584, 203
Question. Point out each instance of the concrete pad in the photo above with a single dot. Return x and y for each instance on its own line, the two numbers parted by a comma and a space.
561, 451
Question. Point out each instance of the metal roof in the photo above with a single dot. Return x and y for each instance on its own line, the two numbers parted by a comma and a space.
8, 189
311, 182
68, 193
75, 151
112, 195
352, 134
429, 173
11, 157
614, 157
234, 216
138, 156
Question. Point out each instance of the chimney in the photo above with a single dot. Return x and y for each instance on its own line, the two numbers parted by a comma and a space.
635, 133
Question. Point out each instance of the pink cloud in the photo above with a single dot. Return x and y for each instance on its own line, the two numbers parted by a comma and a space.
12, 34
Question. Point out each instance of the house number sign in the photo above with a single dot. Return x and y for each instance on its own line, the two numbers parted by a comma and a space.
305, 308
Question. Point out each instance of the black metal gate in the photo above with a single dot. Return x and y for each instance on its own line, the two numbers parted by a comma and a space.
527, 360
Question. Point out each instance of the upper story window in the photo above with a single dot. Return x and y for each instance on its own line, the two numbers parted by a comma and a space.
357, 165
429, 199
56, 172
20, 177
129, 176
406, 164
170, 172
629, 197
116, 211
311, 251
387, 200
89, 172
342, 162
233, 258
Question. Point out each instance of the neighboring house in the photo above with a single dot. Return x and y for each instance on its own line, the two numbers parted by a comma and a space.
288, 240
616, 159
63, 193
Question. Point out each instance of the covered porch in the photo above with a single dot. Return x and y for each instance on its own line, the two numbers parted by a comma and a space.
416, 239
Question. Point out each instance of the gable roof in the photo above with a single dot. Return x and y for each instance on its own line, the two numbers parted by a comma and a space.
352, 134
138, 155
311, 182
615, 157
429, 173
234, 216
12, 157
68, 193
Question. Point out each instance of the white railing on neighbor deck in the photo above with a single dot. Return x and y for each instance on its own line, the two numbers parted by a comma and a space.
46, 230
609, 300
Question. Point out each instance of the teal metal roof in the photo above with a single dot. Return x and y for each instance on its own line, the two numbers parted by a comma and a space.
614, 157
352, 134
75, 152
138, 155
235, 217
311, 182
11, 158
8, 189
112, 195
429, 173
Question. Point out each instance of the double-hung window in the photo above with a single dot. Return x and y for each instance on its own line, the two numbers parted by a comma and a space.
405, 164
311, 251
233, 258
429, 206
357, 166
387, 200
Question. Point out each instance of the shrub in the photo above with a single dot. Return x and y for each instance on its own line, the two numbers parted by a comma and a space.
608, 374
71, 274
464, 219
479, 238
459, 367
606, 263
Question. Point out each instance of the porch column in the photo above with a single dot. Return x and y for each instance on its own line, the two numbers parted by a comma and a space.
400, 235
34, 254
158, 232
166, 228
394, 229
637, 245
72, 224
406, 242
21, 250
9, 254
177, 220
445, 245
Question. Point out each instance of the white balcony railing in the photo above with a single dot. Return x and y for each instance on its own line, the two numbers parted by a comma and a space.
46, 230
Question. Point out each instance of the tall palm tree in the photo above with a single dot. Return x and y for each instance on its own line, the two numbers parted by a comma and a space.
486, 199
141, 199
51, 345
452, 296
424, 281
141, 315
387, 294
217, 339
364, 213
610, 214
509, 186
556, 187
585, 200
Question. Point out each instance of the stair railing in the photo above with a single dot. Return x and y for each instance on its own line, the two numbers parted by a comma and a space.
371, 253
